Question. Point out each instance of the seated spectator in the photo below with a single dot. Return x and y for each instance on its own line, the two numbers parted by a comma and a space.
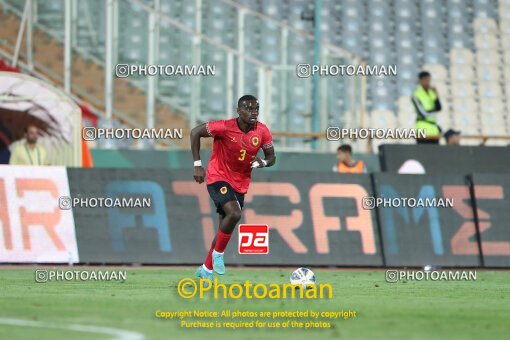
452, 137
29, 152
346, 165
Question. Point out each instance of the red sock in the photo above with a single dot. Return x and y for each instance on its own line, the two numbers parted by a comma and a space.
208, 259
221, 241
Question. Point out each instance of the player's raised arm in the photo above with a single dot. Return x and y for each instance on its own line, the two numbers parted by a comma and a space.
198, 132
269, 156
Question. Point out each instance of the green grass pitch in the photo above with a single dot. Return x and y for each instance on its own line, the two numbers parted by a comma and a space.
403, 310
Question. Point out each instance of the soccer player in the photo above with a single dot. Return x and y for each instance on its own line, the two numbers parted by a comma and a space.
236, 144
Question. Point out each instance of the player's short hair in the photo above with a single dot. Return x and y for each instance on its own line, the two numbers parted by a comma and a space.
28, 126
345, 148
246, 97
423, 74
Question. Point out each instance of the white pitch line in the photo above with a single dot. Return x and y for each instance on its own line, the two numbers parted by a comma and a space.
115, 332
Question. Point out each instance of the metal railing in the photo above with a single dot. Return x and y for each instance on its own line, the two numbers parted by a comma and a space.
286, 100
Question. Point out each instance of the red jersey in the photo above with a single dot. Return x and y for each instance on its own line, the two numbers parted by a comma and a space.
233, 150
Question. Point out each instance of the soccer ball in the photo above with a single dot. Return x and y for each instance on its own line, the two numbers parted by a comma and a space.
303, 277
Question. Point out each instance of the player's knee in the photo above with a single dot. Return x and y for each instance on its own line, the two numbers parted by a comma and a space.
235, 215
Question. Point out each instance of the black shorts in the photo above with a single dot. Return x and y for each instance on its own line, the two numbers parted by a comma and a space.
221, 193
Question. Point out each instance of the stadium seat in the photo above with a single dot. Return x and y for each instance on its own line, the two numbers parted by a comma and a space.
471, 142
496, 142
461, 56
462, 89
488, 73
352, 26
464, 107
484, 9
458, 41
492, 107
406, 121
485, 57
458, 29
456, 9
485, 26
506, 57
505, 41
406, 87
504, 10
383, 119
381, 92
466, 122
486, 41
406, 11
406, 114
504, 26
489, 89
507, 86
435, 55
468, 125
405, 104
493, 125
508, 124
461, 73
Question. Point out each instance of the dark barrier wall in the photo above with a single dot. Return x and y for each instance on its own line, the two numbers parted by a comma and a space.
492, 193
182, 159
446, 159
117, 235
314, 218
427, 236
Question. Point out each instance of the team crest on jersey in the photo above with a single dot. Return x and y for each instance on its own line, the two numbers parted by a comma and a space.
255, 140
223, 190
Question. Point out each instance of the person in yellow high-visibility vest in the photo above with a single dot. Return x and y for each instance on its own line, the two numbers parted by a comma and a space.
426, 102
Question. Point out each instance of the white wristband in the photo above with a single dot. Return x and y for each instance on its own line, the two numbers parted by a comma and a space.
256, 164
197, 163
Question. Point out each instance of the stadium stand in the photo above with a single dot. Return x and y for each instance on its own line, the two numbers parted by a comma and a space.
464, 44
87, 70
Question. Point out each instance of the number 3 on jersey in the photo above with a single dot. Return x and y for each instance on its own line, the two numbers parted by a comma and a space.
243, 154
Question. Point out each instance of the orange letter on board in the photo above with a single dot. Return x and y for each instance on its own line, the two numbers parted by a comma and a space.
286, 224
48, 220
4, 217
322, 223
